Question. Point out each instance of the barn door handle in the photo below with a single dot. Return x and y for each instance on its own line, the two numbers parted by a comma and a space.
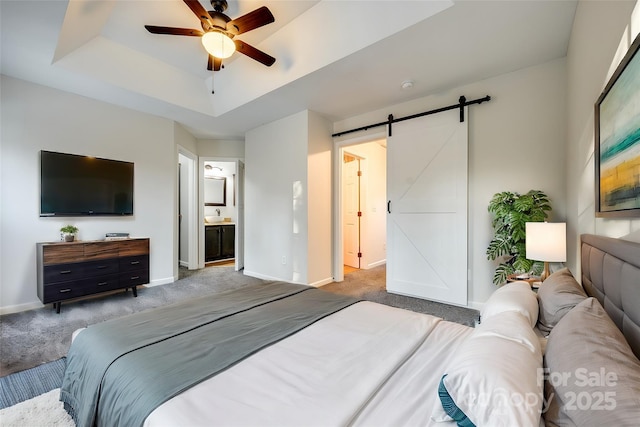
389, 206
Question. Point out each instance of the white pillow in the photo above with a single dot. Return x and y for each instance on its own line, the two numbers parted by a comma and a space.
514, 296
495, 376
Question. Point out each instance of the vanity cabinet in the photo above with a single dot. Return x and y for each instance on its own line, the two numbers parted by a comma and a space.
76, 269
219, 242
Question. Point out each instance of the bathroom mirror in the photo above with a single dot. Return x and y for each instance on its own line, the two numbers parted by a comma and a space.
215, 191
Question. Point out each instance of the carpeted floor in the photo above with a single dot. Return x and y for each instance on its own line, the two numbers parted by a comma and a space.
371, 286
34, 337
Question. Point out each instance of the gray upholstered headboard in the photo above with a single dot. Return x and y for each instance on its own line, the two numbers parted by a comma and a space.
611, 273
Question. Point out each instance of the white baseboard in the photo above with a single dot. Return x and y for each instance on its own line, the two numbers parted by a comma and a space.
259, 275
265, 277
322, 282
316, 284
158, 282
37, 304
21, 307
475, 305
376, 264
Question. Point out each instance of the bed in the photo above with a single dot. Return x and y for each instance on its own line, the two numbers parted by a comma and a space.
283, 354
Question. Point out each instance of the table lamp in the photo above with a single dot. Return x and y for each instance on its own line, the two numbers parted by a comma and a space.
546, 241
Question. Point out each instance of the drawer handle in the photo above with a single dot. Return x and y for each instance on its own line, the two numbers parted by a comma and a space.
101, 267
103, 283
135, 277
135, 262
64, 291
65, 272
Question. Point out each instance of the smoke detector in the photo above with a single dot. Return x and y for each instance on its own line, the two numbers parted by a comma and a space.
407, 84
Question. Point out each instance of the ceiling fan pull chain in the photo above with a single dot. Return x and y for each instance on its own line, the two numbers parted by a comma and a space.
213, 76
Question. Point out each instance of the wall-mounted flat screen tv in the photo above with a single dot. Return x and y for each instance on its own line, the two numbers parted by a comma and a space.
73, 185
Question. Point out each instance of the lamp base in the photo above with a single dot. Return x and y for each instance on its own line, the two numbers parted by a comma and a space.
545, 273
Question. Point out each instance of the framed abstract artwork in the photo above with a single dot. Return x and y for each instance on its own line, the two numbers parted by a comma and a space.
617, 140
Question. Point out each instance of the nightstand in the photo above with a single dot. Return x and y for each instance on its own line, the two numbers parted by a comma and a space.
535, 286
530, 280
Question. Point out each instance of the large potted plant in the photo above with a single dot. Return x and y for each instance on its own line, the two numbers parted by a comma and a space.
511, 211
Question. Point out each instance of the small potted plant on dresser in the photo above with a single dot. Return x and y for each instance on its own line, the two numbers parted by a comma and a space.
68, 233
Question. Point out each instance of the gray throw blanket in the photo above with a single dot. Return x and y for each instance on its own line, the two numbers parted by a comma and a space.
119, 371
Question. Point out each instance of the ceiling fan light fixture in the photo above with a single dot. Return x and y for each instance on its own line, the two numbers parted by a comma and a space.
218, 44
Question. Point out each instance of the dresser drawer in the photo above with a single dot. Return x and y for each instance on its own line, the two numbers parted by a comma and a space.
130, 263
63, 272
134, 247
67, 290
59, 253
101, 250
134, 278
101, 267
107, 283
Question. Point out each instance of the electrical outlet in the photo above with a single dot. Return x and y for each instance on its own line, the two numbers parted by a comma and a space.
284, 260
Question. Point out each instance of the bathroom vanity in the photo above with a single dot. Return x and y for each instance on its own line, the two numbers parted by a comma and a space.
219, 241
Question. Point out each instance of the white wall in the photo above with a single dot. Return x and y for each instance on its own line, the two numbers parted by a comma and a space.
231, 148
185, 139
319, 196
601, 35
288, 200
35, 118
373, 199
516, 143
187, 149
276, 164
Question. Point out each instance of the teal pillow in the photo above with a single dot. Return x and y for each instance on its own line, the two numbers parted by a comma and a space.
450, 407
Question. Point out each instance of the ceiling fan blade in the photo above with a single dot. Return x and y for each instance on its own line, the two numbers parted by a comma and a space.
173, 31
214, 63
254, 53
250, 21
201, 13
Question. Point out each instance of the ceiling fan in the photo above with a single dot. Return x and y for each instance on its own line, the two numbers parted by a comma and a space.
219, 31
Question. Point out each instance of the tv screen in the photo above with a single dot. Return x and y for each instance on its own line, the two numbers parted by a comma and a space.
72, 185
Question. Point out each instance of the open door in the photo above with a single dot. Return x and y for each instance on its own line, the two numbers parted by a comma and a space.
187, 210
238, 198
427, 208
351, 210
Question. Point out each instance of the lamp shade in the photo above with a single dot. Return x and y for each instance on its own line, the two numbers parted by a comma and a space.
218, 44
546, 241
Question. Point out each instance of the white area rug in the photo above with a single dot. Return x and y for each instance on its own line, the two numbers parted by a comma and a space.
44, 410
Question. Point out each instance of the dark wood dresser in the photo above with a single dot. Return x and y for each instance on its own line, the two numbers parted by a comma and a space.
75, 269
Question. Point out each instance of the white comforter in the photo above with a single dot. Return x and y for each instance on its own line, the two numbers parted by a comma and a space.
368, 364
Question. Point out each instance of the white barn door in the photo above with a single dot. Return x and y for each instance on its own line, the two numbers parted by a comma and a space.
427, 225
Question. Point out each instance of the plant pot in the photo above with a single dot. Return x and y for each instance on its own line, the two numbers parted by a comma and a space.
69, 237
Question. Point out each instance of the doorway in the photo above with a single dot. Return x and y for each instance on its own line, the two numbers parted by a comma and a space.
222, 212
363, 189
424, 210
